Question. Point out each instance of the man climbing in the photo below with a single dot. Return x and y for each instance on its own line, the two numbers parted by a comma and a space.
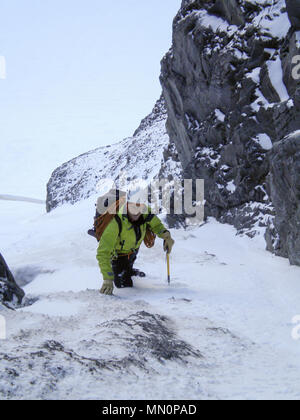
120, 243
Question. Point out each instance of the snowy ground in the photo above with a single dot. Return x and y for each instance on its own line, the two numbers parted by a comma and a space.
222, 330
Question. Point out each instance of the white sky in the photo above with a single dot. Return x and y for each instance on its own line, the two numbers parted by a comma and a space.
80, 73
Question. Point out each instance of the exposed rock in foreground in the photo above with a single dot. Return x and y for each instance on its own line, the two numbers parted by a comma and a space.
10, 293
119, 350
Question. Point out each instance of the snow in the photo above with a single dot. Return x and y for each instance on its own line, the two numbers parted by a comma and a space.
290, 104
276, 77
220, 115
272, 20
254, 75
215, 23
261, 101
229, 299
138, 157
298, 39
54, 308
264, 141
231, 187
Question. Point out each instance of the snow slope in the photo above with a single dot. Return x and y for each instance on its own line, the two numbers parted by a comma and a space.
222, 330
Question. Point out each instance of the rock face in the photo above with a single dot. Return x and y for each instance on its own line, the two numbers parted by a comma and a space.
230, 96
293, 9
10, 292
140, 156
283, 235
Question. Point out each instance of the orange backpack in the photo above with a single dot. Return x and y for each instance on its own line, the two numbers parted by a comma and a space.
104, 219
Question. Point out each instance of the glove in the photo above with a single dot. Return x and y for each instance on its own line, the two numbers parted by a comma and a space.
107, 287
168, 242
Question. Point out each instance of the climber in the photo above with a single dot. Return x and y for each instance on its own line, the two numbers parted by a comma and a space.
120, 243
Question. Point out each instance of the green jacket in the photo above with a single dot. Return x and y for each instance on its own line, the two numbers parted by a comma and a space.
112, 243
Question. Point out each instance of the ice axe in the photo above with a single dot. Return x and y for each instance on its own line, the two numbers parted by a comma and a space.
168, 267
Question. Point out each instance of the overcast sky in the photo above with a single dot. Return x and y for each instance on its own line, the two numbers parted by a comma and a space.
80, 73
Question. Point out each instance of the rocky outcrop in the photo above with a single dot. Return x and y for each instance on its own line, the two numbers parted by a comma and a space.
10, 293
140, 157
283, 233
293, 9
230, 96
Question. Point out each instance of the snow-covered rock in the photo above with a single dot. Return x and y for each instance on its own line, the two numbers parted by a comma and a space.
140, 157
230, 96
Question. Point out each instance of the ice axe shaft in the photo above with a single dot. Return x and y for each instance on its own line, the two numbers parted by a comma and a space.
168, 266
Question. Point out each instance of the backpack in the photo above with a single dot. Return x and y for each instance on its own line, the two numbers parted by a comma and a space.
103, 220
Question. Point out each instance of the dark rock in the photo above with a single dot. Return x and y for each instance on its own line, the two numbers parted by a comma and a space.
229, 10
10, 292
225, 107
283, 235
293, 9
